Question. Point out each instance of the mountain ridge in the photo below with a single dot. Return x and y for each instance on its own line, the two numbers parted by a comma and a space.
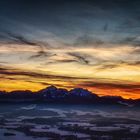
62, 95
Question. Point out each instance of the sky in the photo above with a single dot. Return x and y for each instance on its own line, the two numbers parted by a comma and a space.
91, 44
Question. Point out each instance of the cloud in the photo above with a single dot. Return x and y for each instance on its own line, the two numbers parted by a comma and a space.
40, 46
105, 28
131, 63
100, 85
136, 51
107, 66
131, 40
131, 24
18, 72
12, 37
41, 54
81, 58
115, 64
87, 40
62, 61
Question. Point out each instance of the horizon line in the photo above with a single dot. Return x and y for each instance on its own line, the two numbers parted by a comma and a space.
34, 92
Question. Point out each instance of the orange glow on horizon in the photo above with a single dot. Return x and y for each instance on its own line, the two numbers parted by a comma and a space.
11, 86
100, 69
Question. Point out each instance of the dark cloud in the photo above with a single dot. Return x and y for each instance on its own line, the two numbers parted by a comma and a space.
99, 85
3, 69
38, 82
41, 54
131, 24
8, 78
106, 26
17, 72
87, 40
132, 40
107, 66
20, 39
81, 58
62, 61
111, 64
136, 51
132, 63
69, 18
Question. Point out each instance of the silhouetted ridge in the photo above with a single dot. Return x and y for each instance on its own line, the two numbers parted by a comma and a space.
54, 94
82, 93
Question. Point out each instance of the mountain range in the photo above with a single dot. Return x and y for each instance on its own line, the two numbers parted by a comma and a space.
53, 94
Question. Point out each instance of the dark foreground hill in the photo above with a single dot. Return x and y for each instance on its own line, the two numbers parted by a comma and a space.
53, 94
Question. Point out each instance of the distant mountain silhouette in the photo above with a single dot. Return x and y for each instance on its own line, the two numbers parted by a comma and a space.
53, 94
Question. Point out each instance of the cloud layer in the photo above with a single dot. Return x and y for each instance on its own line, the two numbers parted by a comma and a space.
83, 43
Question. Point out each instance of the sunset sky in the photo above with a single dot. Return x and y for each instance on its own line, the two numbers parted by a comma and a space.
92, 44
